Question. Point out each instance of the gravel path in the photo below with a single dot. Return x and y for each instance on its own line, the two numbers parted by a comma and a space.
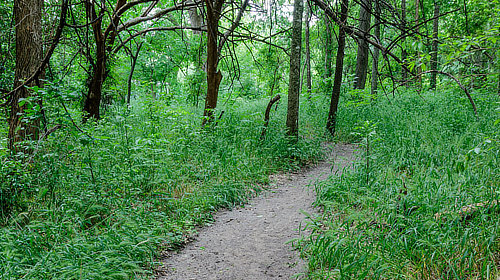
252, 242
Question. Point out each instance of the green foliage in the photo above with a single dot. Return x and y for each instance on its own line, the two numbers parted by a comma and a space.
101, 203
431, 159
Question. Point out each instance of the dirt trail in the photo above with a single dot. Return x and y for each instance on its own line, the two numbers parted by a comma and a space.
251, 242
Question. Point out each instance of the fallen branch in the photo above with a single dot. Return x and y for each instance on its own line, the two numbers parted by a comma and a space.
470, 209
459, 84
266, 116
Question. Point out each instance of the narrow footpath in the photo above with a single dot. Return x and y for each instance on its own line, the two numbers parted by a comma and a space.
252, 242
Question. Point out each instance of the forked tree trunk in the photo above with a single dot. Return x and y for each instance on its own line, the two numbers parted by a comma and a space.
94, 93
337, 82
104, 41
292, 118
434, 54
133, 63
376, 51
363, 47
29, 55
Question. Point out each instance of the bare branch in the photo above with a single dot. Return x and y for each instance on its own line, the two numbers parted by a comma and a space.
160, 13
235, 24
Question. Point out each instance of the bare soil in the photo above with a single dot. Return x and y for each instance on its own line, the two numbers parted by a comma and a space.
252, 242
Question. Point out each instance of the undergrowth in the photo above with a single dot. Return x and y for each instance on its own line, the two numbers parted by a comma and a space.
398, 212
103, 200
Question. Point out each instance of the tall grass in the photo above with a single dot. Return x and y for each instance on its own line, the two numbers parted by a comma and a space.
102, 203
396, 213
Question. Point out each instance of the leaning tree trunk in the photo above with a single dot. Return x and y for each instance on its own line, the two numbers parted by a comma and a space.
337, 82
434, 54
292, 118
214, 76
363, 47
29, 55
376, 51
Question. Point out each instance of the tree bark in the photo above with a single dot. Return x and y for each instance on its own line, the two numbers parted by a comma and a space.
196, 20
94, 93
308, 52
376, 51
363, 48
292, 119
434, 54
29, 55
332, 114
214, 76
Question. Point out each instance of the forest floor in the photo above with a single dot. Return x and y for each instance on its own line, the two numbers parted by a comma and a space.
253, 241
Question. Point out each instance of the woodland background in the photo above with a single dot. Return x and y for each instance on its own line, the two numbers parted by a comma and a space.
126, 124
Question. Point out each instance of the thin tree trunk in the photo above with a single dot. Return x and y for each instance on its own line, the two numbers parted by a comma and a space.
292, 120
332, 114
434, 54
133, 62
328, 53
404, 54
308, 52
417, 55
363, 48
376, 51
29, 55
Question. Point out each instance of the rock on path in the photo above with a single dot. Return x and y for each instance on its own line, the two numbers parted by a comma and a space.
252, 242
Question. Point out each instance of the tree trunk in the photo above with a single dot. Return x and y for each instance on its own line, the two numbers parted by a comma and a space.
404, 54
214, 76
417, 55
104, 42
94, 93
308, 52
328, 53
29, 55
133, 63
363, 47
292, 118
376, 51
332, 114
196, 19
434, 54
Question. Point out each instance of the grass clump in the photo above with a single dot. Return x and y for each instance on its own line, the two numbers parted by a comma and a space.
397, 213
101, 203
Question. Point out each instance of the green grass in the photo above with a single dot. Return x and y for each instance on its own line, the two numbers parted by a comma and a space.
104, 206
426, 155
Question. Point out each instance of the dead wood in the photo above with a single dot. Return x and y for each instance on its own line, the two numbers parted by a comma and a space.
469, 210
266, 116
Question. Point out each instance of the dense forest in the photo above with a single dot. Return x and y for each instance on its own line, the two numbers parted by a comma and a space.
125, 124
